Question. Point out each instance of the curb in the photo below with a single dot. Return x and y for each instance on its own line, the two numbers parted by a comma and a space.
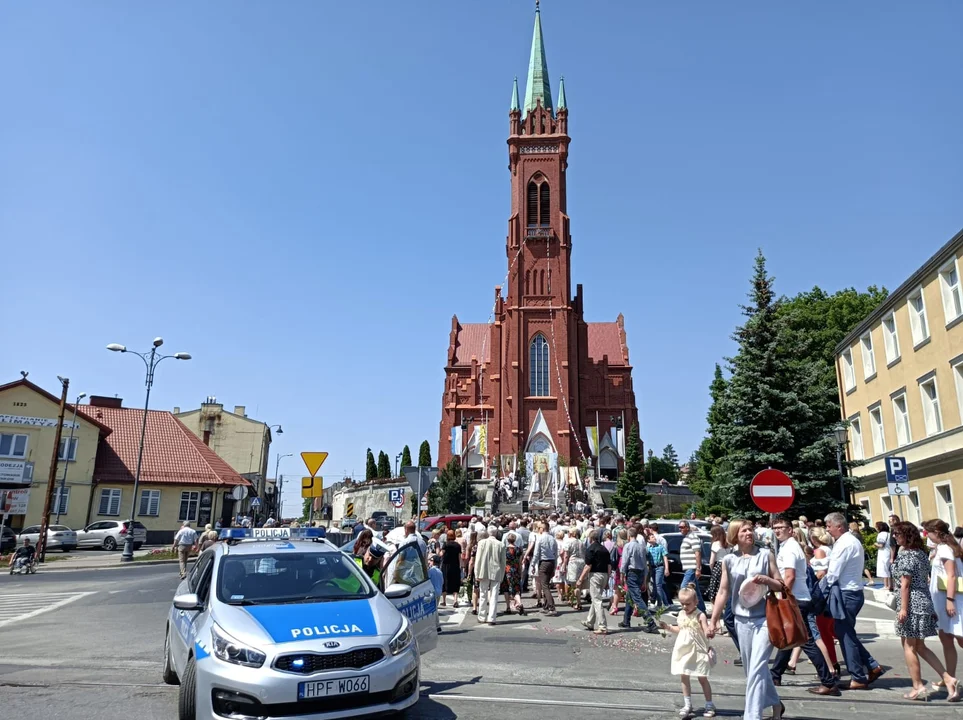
119, 566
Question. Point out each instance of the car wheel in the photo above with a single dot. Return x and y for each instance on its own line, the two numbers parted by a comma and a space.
65, 549
187, 697
110, 544
170, 675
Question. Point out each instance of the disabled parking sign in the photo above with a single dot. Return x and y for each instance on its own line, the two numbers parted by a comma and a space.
897, 476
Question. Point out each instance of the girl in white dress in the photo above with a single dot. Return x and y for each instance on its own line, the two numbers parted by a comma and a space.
945, 572
691, 654
884, 555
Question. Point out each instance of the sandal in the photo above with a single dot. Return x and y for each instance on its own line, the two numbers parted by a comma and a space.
922, 695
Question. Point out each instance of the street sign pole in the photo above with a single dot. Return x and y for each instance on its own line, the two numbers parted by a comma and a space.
418, 504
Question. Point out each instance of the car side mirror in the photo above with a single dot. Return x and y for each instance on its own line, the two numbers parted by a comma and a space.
188, 601
396, 591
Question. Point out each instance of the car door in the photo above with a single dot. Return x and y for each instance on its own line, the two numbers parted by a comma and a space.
183, 622
31, 533
407, 566
88, 536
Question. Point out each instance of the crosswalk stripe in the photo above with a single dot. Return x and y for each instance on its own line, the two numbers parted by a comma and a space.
23, 606
452, 618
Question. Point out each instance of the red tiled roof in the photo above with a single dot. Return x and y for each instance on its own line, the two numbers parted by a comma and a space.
604, 339
471, 339
172, 453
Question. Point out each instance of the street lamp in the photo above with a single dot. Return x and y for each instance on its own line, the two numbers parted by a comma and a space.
261, 479
151, 361
397, 460
70, 441
841, 436
279, 484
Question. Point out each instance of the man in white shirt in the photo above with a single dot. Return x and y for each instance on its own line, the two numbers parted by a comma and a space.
846, 563
791, 561
184, 541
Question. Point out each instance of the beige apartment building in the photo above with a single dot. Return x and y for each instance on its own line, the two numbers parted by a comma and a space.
900, 377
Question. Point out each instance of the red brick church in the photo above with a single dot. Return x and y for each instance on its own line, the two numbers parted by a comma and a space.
537, 378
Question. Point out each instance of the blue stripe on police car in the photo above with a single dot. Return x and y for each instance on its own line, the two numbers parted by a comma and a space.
290, 623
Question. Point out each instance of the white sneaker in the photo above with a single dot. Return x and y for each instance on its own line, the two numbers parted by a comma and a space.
710, 711
686, 712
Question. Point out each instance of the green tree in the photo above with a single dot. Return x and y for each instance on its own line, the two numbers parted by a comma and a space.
424, 454
631, 497
306, 509
384, 465
711, 451
370, 469
671, 458
775, 408
658, 469
453, 492
405, 457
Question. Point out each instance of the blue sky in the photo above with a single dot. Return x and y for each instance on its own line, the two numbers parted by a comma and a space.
301, 194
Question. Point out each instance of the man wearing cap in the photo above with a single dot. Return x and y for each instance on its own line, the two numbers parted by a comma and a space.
371, 562
184, 542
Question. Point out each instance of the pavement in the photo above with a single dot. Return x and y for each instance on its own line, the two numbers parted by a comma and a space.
77, 645
96, 559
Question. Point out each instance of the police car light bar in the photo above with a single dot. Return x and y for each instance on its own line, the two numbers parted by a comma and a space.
274, 533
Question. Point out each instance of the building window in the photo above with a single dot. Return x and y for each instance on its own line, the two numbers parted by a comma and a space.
901, 416
849, 372
944, 504
890, 338
72, 455
60, 501
857, 433
887, 504
149, 503
867, 512
539, 204
879, 438
109, 502
952, 295
538, 366
869, 360
14, 446
189, 503
917, 313
913, 501
932, 420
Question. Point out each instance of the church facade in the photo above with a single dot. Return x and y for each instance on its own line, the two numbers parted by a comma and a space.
538, 378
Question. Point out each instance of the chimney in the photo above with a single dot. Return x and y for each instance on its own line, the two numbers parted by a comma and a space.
107, 402
239, 410
177, 410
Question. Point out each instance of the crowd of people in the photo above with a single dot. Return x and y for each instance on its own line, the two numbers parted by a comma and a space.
609, 565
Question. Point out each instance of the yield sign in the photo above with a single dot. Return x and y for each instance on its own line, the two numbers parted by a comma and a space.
772, 491
313, 461
420, 478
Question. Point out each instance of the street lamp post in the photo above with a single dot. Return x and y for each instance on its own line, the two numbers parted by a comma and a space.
279, 484
841, 436
261, 479
70, 441
151, 361
397, 460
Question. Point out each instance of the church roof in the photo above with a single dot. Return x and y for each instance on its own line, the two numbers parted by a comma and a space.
605, 338
472, 338
538, 87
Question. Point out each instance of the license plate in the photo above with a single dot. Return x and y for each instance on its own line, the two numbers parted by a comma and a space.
329, 688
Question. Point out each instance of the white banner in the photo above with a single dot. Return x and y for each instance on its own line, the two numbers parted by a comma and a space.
34, 421
12, 472
14, 502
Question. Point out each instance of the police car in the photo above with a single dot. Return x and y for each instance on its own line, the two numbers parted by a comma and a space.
279, 623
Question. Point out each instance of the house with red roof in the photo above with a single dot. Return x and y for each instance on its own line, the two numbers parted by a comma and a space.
181, 478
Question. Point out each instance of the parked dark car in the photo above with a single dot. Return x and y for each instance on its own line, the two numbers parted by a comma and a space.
8, 540
674, 580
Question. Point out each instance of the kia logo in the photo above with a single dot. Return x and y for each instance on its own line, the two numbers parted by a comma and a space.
332, 644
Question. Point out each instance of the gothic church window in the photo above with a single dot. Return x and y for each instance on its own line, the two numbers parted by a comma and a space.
539, 204
538, 377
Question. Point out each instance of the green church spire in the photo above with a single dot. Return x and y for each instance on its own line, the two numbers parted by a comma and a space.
538, 84
561, 93
515, 106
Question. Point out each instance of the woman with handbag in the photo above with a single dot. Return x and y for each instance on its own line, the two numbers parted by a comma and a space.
946, 579
915, 618
747, 573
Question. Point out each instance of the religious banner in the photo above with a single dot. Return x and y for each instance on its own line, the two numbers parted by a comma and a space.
507, 465
482, 431
593, 440
457, 438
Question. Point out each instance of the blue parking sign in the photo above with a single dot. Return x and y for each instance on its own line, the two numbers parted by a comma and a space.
897, 475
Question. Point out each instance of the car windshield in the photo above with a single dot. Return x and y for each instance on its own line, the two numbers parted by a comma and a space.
277, 578
59, 528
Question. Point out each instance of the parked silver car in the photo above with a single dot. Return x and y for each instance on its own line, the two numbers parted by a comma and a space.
110, 534
59, 537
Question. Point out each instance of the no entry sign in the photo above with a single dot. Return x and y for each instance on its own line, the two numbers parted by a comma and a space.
772, 491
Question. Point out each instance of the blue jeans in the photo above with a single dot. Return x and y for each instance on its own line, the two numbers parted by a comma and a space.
659, 582
689, 577
858, 660
814, 654
634, 582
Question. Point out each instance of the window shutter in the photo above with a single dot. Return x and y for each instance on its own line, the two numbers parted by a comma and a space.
104, 503
532, 204
545, 205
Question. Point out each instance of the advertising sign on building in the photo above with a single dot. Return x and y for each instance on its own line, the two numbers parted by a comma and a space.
204, 514
12, 472
14, 502
34, 421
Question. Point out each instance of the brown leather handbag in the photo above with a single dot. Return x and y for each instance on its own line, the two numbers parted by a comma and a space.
787, 629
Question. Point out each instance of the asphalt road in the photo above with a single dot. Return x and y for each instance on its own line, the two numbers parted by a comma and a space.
92, 649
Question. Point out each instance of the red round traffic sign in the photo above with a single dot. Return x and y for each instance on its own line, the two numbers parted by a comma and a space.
772, 491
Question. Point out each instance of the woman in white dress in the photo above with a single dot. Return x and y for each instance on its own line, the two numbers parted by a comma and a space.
575, 563
946, 578
884, 555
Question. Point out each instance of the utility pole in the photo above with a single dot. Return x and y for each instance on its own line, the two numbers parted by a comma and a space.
52, 477
67, 447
